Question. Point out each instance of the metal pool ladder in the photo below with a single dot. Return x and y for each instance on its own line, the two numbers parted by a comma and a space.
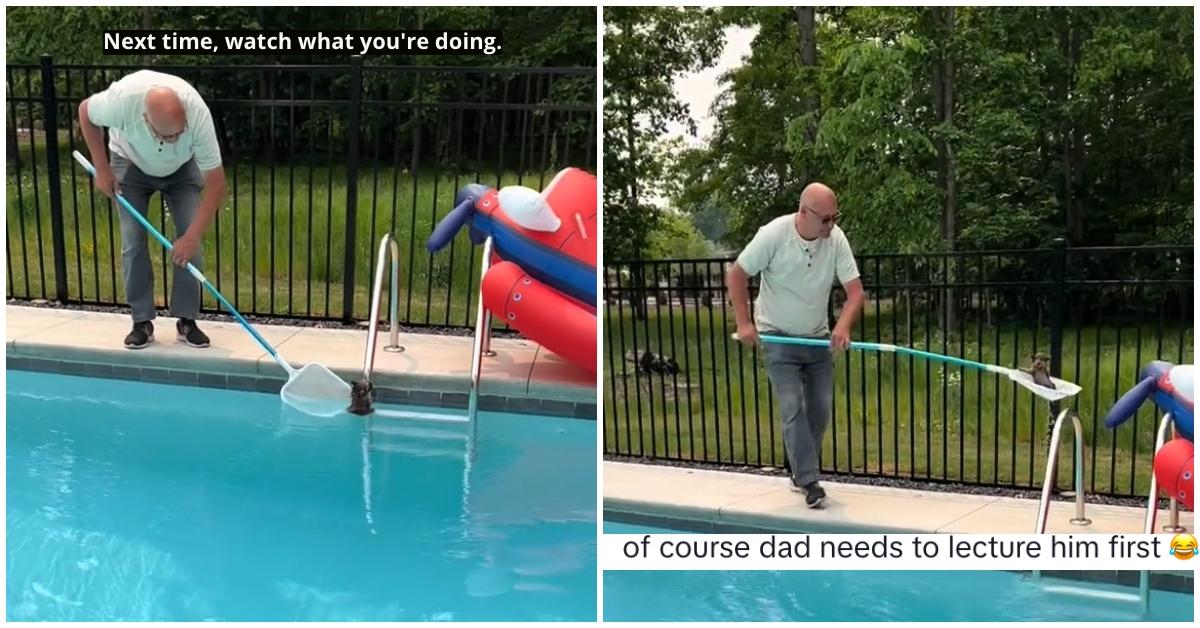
361, 394
1166, 427
1166, 431
482, 345
1080, 519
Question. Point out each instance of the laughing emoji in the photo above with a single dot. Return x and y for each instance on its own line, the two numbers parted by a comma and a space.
1183, 546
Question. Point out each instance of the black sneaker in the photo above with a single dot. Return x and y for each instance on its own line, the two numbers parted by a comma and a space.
141, 335
814, 495
188, 332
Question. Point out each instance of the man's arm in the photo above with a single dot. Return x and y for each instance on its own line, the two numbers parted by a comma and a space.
210, 201
855, 297
737, 281
94, 137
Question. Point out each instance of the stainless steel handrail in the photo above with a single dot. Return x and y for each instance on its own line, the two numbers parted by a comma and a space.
361, 393
1165, 427
487, 339
389, 247
1173, 526
483, 323
1166, 431
1080, 518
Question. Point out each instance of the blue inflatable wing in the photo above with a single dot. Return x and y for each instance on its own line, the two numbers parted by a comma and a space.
451, 223
1128, 404
561, 272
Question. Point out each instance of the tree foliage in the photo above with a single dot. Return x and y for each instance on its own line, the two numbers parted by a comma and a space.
677, 237
645, 49
1067, 122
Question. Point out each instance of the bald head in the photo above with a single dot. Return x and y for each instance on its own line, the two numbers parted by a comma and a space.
818, 211
820, 197
165, 111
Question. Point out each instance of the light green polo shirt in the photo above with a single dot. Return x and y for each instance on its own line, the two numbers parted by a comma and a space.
797, 276
122, 109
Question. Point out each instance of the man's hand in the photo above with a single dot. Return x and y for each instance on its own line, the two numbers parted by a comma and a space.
739, 293
855, 296
840, 340
106, 181
184, 248
747, 334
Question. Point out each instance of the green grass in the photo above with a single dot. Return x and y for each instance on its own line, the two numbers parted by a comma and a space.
892, 415
308, 259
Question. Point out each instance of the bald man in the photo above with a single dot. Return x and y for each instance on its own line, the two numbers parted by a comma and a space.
799, 255
162, 140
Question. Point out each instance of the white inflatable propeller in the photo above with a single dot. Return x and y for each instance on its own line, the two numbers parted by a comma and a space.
528, 208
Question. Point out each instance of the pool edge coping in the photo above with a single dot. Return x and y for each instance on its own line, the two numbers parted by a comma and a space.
244, 381
536, 387
750, 499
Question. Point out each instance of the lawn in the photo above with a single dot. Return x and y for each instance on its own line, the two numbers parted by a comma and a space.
892, 415
276, 246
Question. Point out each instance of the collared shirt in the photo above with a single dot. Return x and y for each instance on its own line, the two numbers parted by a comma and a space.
797, 276
122, 108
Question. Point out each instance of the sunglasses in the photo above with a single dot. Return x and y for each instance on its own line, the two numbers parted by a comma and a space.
166, 138
825, 220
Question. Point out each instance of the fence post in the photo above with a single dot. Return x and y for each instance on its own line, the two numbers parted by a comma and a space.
53, 178
348, 278
1057, 294
1058, 273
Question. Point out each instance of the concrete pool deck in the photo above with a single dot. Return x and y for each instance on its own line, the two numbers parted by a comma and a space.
707, 498
432, 369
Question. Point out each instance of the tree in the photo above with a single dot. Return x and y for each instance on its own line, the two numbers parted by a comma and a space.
759, 156
960, 128
943, 95
806, 32
875, 137
677, 238
646, 48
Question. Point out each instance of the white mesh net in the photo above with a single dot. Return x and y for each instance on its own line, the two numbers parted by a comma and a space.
1061, 390
316, 390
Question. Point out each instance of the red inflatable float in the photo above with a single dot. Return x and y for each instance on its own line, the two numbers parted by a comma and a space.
1173, 470
542, 314
543, 278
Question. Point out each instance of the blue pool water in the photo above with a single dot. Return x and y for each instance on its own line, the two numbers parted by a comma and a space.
133, 501
873, 596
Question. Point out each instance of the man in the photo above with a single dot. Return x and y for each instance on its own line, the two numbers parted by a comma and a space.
799, 255
162, 139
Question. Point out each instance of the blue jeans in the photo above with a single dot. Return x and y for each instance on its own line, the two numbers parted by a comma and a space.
181, 190
802, 379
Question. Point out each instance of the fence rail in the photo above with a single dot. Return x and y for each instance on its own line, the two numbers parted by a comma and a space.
320, 160
678, 388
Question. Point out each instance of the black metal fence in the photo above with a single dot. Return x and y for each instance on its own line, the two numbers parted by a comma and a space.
1101, 313
321, 161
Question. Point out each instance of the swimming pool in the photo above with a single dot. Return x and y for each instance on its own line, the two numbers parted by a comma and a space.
136, 501
863, 596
